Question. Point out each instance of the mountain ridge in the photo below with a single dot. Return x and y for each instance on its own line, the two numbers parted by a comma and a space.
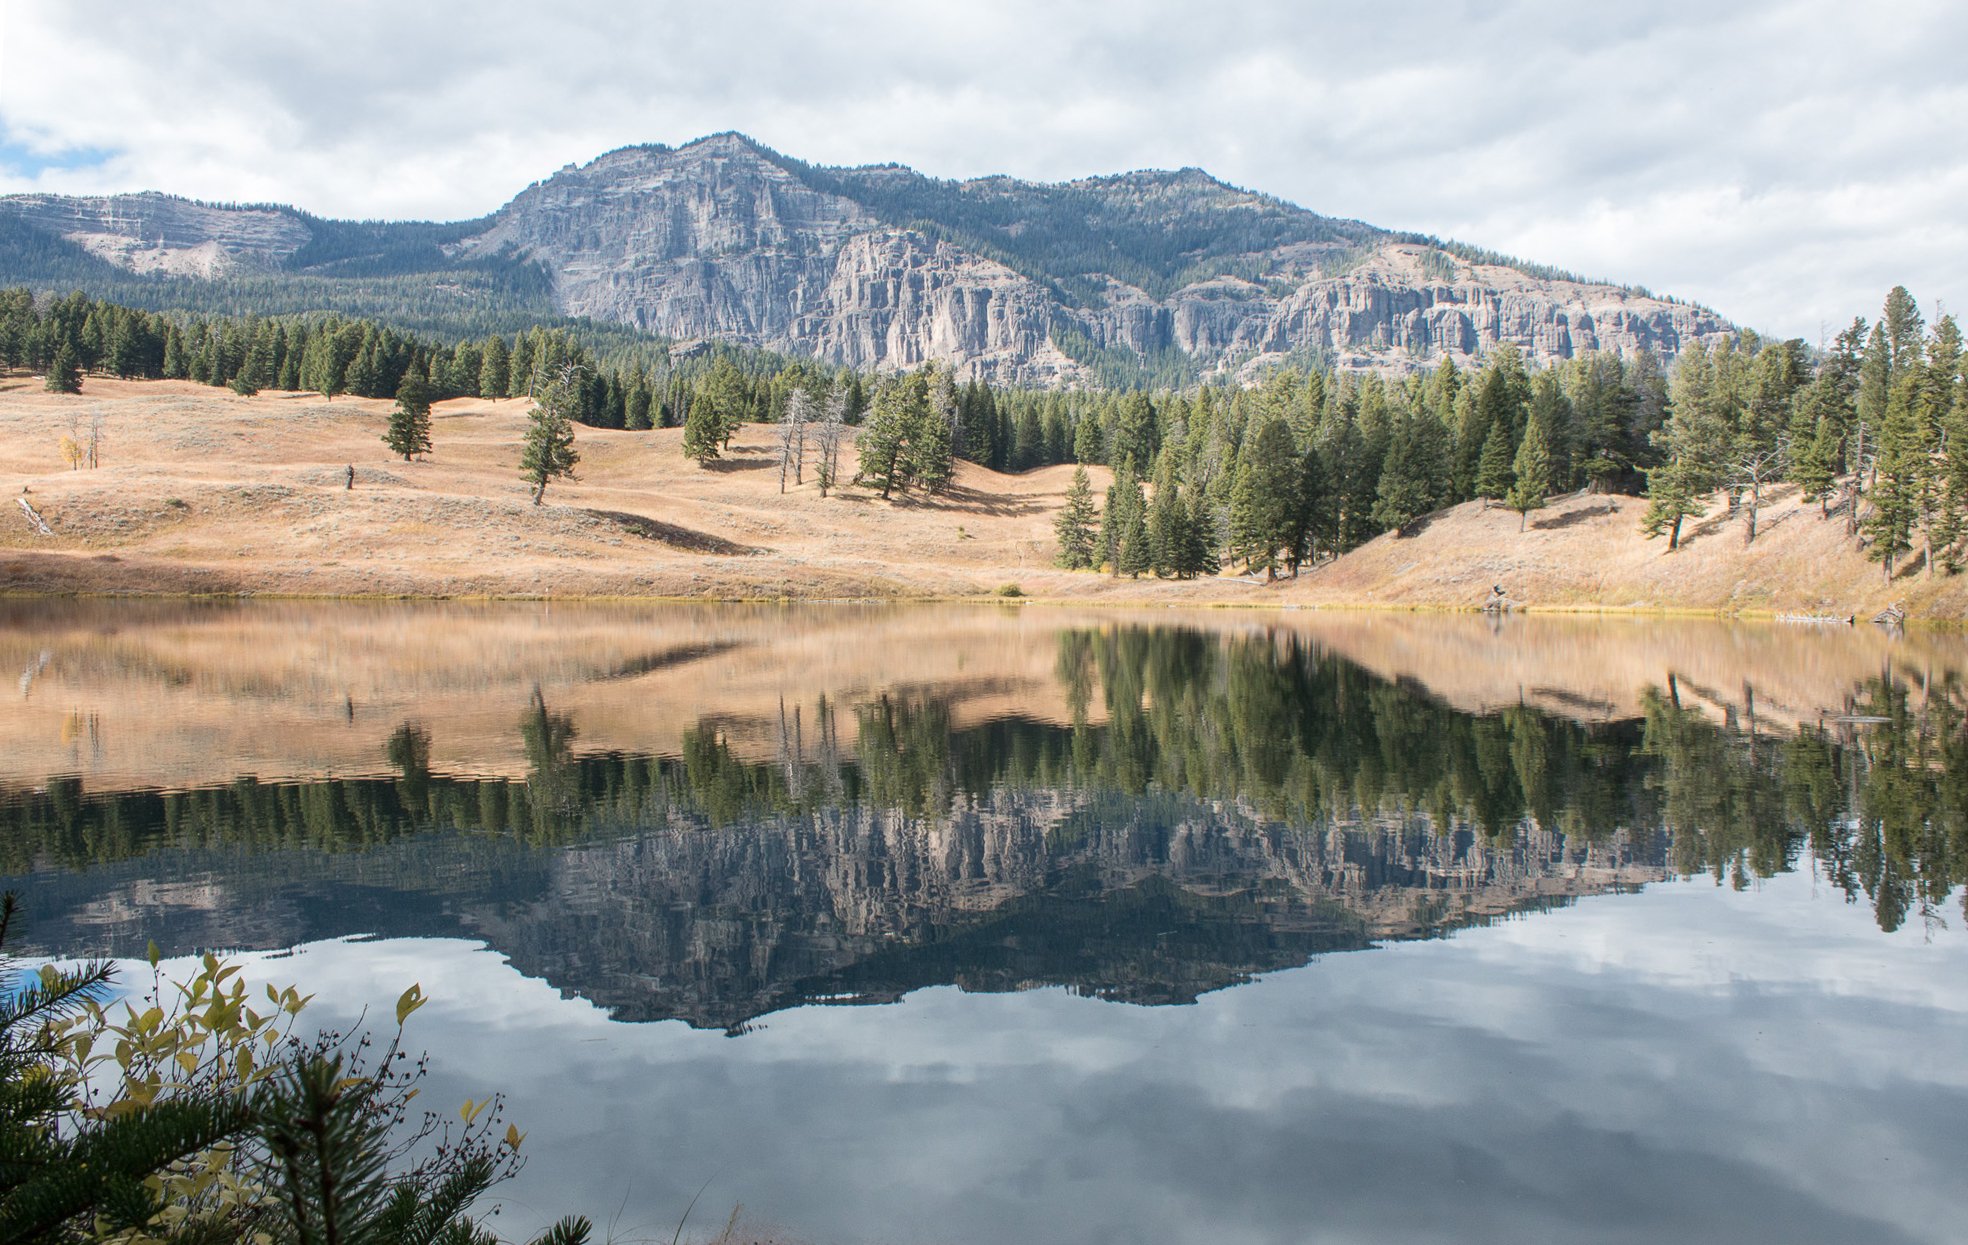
1172, 275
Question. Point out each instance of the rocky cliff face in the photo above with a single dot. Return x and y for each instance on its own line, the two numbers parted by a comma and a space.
882, 268
154, 233
721, 239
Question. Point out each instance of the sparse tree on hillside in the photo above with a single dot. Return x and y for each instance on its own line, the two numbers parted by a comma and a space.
1079, 537
1811, 467
1532, 469
548, 452
409, 432
1900, 468
1671, 499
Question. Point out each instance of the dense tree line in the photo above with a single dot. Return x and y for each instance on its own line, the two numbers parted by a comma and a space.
76, 336
1874, 428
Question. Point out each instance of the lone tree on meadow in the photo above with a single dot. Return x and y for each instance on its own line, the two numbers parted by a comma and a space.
409, 432
702, 429
548, 452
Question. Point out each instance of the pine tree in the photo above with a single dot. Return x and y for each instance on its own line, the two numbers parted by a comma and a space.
1199, 556
409, 432
1811, 464
1086, 441
493, 373
255, 370
1122, 493
1493, 471
701, 429
64, 370
1133, 557
1900, 467
727, 397
931, 433
1532, 468
884, 439
1075, 526
1166, 515
1410, 476
548, 452
1264, 500
1671, 498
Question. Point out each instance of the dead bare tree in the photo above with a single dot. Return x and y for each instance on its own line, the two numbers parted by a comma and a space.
830, 429
98, 433
1754, 470
792, 437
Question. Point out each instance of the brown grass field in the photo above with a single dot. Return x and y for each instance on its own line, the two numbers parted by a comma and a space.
204, 492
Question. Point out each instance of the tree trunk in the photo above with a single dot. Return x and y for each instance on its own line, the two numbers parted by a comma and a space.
1674, 535
540, 492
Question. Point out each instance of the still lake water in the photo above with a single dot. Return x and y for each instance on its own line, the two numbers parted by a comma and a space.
968, 925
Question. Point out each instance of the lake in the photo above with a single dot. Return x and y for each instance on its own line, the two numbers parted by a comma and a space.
968, 924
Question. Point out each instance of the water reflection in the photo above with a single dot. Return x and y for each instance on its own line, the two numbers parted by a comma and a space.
1138, 812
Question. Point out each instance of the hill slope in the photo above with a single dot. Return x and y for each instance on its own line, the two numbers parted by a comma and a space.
1144, 276
206, 491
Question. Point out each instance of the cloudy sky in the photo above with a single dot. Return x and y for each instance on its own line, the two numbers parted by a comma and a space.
1783, 162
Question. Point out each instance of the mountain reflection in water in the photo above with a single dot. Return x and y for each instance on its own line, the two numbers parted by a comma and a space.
1138, 812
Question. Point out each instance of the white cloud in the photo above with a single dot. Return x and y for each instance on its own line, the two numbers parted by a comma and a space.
1784, 161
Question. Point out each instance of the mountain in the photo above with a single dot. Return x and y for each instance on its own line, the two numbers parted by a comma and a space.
1151, 275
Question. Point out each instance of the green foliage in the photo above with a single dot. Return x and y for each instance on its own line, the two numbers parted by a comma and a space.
1076, 525
1265, 499
201, 1117
907, 441
64, 370
1532, 472
1493, 472
1902, 466
409, 432
548, 452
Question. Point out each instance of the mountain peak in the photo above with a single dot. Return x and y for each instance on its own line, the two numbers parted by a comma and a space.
1153, 274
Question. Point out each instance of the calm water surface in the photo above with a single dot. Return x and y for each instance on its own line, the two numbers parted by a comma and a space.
966, 925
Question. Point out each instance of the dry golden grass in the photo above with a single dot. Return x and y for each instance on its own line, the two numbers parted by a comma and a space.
202, 491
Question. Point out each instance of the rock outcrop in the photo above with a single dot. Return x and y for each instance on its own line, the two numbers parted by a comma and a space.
881, 268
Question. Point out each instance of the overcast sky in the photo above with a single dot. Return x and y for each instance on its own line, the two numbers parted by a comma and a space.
1785, 163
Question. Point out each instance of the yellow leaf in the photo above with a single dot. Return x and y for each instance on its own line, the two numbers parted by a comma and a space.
153, 954
411, 1000
514, 1136
187, 1061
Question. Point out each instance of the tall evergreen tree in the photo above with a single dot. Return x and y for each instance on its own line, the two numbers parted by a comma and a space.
1264, 500
1493, 471
409, 432
1532, 472
1076, 526
64, 369
1900, 470
548, 452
